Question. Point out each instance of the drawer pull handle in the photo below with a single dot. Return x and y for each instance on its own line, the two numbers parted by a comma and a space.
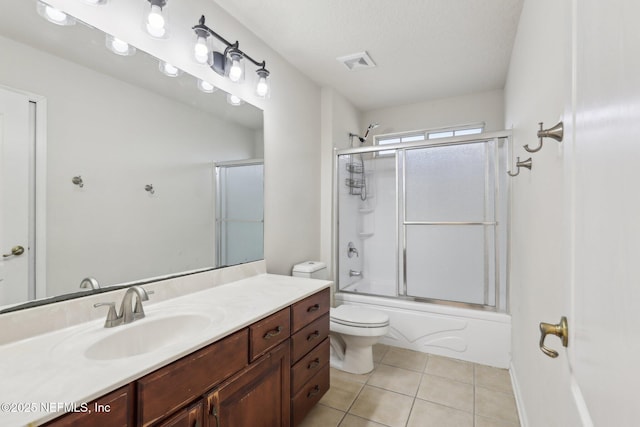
314, 363
313, 391
214, 412
313, 336
272, 333
313, 308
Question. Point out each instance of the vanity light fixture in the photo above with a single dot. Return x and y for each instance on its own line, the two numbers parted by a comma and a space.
118, 46
54, 15
230, 62
155, 18
234, 100
206, 87
169, 70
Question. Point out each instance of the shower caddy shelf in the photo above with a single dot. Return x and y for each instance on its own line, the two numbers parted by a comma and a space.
356, 180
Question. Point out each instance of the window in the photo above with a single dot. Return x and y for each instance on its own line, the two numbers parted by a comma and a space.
426, 134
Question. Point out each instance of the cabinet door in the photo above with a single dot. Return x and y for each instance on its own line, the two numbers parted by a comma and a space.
189, 417
257, 397
114, 410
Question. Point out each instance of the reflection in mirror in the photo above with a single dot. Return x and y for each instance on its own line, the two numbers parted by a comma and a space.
239, 211
113, 173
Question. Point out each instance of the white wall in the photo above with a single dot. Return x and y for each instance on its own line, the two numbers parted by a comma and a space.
339, 118
291, 116
485, 107
119, 138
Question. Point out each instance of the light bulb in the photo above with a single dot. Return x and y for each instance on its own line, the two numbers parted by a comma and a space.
155, 18
168, 69
235, 73
206, 86
120, 46
156, 22
234, 100
54, 14
201, 50
262, 88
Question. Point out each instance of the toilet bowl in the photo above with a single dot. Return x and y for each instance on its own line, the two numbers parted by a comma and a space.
353, 331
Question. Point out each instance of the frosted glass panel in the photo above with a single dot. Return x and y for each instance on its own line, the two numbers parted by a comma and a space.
240, 214
242, 188
450, 262
244, 242
450, 183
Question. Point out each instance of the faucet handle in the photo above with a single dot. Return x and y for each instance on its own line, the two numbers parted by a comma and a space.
112, 316
138, 311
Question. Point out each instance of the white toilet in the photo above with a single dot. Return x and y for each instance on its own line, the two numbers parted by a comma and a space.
353, 329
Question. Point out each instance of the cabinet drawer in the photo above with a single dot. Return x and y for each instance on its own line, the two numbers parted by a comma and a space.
114, 409
268, 333
309, 309
167, 389
309, 365
309, 395
308, 337
189, 417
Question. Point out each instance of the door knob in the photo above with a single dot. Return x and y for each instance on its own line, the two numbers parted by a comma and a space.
15, 251
560, 330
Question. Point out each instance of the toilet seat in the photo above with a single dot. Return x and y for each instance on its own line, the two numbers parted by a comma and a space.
358, 317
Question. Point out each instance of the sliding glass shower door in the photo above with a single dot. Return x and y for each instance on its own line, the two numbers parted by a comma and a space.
239, 212
433, 224
449, 222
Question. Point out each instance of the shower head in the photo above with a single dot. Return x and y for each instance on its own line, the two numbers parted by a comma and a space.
371, 126
366, 133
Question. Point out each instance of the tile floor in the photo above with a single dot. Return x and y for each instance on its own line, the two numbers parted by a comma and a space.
409, 388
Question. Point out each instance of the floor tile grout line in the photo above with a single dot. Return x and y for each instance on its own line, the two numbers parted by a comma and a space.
474, 396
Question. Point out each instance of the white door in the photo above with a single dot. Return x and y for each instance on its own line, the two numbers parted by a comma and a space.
605, 323
15, 147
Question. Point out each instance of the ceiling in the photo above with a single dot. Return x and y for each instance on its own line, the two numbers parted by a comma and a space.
424, 49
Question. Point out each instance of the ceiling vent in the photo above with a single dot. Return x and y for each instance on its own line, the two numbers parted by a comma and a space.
357, 61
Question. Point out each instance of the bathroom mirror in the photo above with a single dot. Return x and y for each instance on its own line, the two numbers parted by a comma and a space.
129, 164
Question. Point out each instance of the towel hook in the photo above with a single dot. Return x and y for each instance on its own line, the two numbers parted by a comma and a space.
522, 164
149, 188
556, 132
77, 180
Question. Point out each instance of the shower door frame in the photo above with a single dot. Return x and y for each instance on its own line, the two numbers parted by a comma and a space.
400, 241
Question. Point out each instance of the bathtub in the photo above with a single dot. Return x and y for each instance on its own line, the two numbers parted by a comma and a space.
477, 336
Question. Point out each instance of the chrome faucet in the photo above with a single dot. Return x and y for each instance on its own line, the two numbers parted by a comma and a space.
89, 283
351, 250
128, 313
355, 273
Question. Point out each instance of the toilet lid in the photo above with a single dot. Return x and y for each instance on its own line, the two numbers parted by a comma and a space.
351, 315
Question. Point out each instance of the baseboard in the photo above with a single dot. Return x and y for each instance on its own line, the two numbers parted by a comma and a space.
522, 413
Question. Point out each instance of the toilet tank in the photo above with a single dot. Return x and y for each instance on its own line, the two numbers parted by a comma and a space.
311, 269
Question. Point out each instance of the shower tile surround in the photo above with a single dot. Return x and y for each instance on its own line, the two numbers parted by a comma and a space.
34, 369
408, 388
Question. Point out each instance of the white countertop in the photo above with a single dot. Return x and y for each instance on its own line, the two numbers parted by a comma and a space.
52, 368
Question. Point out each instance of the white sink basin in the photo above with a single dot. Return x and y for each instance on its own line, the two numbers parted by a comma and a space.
146, 335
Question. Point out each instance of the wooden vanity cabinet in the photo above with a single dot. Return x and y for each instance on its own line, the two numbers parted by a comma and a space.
309, 353
115, 409
168, 389
267, 375
192, 416
256, 397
